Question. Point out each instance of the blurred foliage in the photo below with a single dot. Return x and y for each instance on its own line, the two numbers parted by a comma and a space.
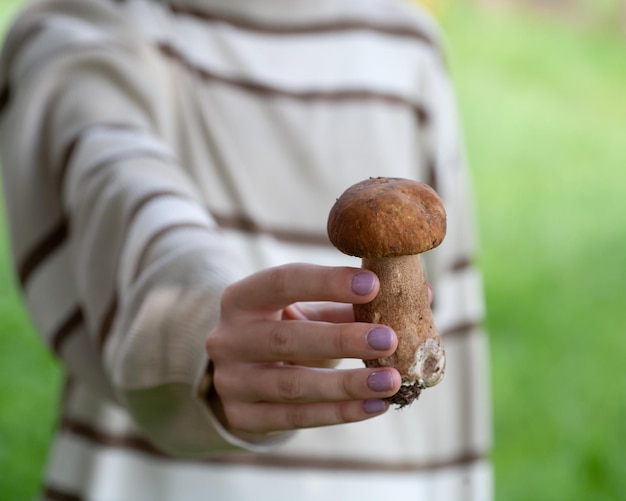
435, 6
544, 109
609, 14
30, 376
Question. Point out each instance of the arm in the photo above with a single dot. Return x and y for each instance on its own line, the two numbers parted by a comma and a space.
105, 223
138, 268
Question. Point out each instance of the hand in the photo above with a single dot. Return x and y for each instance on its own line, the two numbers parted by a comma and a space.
273, 324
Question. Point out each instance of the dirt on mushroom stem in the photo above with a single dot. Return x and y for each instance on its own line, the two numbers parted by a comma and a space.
403, 304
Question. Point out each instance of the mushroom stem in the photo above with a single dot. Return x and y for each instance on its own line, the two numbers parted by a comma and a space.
403, 304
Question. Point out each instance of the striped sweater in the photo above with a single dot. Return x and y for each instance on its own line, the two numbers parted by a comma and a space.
155, 152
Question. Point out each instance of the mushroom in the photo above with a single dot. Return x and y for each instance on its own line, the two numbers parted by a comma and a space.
388, 222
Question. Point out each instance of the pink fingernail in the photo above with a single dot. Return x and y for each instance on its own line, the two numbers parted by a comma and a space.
381, 338
374, 406
363, 283
380, 381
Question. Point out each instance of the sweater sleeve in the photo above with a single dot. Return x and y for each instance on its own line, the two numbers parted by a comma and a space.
452, 266
113, 247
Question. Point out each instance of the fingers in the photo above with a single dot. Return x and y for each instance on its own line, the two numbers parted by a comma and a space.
282, 397
268, 418
295, 314
277, 341
276, 288
320, 312
260, 394
293, 384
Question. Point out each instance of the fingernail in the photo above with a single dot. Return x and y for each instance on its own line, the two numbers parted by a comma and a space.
374, 406
363, 283
380, 338
380, 381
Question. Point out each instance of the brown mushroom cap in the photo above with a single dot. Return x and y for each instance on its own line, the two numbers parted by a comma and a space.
387, 217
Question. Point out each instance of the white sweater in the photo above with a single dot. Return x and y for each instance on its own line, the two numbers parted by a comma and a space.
155, 152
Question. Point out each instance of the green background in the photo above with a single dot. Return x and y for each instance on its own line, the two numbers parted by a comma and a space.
543, 101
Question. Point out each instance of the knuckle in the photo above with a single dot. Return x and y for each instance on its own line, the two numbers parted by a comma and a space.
347, 387
229, 296
281, 342
227, 383
297, 417
343, 340
348, 412
221, 382
212, 338
212, 345
235, 417
277, 278
341, 414
216, 345
290, 387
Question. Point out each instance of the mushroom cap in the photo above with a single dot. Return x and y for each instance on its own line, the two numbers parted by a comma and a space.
387, 217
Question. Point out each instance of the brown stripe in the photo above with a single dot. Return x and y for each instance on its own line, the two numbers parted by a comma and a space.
19, 38
40, 252
462, 329
76, 318
90, 433
305, 95
69, 386
147, 198
121, 157
50, 244
55, 494
431, 174
111, 311
72, 145
107, 322
237, 223
66, 158
59, 233
13, 45
422, 115
159, 234
248, 225
138, 444
332, 464
5, 97
461, 264
396, 30
70, 325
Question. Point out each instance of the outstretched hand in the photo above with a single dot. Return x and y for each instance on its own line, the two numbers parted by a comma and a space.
279, 330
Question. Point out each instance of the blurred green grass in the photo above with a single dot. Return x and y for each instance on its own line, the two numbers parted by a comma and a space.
544, 110
29, 380
29, 376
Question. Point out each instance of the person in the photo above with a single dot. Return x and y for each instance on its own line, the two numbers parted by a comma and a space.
168, 167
